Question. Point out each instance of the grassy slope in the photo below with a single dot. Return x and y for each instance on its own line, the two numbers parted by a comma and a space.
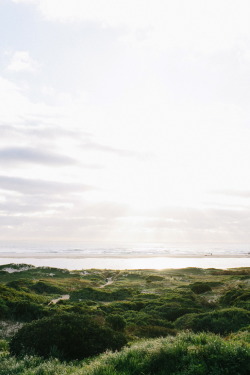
156, 296
186, 354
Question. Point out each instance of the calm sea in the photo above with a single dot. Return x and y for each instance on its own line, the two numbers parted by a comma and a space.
127, 249
101, 255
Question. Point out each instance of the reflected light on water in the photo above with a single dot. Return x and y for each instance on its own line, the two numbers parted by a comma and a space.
131, 263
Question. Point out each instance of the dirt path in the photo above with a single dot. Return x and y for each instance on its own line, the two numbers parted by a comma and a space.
64, 297
109, 281
67, 296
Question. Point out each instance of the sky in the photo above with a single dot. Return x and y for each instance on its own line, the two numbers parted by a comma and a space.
125, 121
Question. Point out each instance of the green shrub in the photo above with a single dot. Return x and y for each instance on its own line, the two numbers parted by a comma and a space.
65, 336
173, 311
8, 328
185, 354
20, 284
11, 294
214, 284
143, 319
239, 271
222, 321
150, 331
199, 288
4, 346
30, 365
182, 298
246, 328
243, 336
3, 309
43, 288
236, 297
152, 278
122, 306
116, 322
101, 295
25, 311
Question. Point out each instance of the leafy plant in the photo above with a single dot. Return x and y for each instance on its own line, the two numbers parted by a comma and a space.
65, 336
199, 288
222, 321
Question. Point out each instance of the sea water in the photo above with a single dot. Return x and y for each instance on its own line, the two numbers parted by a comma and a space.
68, 255
121, 249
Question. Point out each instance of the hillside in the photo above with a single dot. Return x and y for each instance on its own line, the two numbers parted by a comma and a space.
76, 315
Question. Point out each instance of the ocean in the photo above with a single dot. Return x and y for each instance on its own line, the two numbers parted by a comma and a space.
82, 255
125, 249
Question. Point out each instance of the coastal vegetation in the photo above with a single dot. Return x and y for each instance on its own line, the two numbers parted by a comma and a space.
106, 322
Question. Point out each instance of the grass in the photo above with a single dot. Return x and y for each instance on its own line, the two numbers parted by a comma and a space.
185, 354
150, 301
31, 365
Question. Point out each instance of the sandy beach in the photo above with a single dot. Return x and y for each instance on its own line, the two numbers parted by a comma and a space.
74, 262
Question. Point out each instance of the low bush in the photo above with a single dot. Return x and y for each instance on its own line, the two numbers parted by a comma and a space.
141, 319
4, 310
116, 322
185, 354
222, 321
31, 365
65, 336
4, 346
8, 328
45, 288
152, 278
150, 331
243, 336
25, 311
21, 284
199, 288
101, 295
173, 311
236, 297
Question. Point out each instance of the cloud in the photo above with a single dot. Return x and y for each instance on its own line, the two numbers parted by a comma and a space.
68, 217
195, 225
21, 61
19, 109
39, 130
31, 186
168, 78
31, 155
101, 210
234, 193
40, 123
90, 145
206, 27
72, 207
59, 218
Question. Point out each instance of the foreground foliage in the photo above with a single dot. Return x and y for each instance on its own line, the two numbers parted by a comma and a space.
67, 337
185, 354
222, 321
77, 315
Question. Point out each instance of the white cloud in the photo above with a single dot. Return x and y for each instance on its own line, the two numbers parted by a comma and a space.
32, 155
205, 27
168, 79
21, 61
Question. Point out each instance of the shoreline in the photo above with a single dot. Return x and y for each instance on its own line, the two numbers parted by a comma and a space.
126, 261
119, 256
74, 262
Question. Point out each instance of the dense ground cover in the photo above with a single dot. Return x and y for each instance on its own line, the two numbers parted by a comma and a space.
185, 354
104, 306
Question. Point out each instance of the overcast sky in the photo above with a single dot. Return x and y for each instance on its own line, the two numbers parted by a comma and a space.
125, 120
